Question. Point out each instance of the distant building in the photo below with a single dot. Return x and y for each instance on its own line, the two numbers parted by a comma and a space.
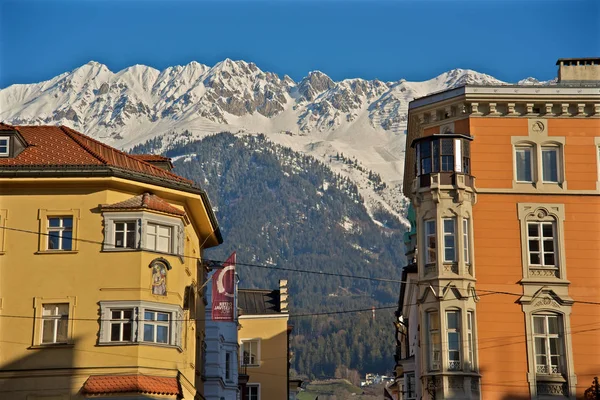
99, 271
500, 297
264, 342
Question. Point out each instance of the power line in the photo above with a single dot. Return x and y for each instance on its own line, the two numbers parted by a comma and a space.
218, 262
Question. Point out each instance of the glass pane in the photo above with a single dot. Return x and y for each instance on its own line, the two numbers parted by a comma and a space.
554, 346
449, 242
48, 331
115, 332
63, 326
67, 222
131, 239
127, 314
119, 226
550, 165
453, 341
547, 230
539, 325
163, 244
540, 346
549, 259
163, 317
425, 149
148, 333
469, 320
452, 319
151, 229
447, 147
434, 323
448, 226
162, 334
534, 245
436, 164
53, 240
54, 222
533, 230
149, 316
436, 148
164, 231
115, 314
430, 227
523, 163
449, 255
119, 239
127, 332
447, 163
549, 246
426, 165
67, 242
534, 259
553, 325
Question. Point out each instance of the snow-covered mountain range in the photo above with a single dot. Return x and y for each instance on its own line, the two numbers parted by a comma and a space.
364, 119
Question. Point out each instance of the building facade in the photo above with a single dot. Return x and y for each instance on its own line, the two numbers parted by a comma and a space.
500, 300
264, 342
99, 270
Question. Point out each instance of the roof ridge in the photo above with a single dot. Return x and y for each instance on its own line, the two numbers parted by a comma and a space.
129, 156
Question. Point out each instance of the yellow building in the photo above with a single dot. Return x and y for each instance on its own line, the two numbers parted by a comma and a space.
99, 265
264, 342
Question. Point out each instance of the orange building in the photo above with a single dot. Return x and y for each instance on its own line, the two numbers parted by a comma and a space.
501, 299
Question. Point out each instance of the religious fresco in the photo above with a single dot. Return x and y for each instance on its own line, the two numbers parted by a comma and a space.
159, 277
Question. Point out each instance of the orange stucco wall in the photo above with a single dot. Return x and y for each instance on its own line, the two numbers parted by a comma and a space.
497, 246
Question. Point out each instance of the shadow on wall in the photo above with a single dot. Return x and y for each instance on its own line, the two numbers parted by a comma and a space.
45, 372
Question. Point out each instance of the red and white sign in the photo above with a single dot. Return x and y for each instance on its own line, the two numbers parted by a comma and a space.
223, 291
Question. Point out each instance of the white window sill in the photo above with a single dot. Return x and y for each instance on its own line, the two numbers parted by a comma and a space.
52, 346
57, 252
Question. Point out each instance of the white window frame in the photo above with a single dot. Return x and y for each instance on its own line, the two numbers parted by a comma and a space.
7, 152
466, 241
434, 351
243, 343
255, 386
121, 322
56, 319
454, 365
471, 339
126, 225
430, 253
556, 150
153, 244
142, 219
532, 163
541, 240
548, 368
38, 304
52, 230
175, 325
410, 386
156, 323
447, 236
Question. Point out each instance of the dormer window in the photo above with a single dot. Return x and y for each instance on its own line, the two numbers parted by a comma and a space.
4, 146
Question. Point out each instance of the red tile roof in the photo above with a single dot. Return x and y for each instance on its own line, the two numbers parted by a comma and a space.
151, 157
60, 146
106, 384
144, 201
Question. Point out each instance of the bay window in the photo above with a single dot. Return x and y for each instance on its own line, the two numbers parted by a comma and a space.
433, 340
454, 340
449, 239
430, 242
466, 244
470, 339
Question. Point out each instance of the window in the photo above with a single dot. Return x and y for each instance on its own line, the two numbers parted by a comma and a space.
447, 155
249, 351
548, 344
449, 239
55, 323
125, 234
60, 233
453, 331
430, 240
550, 164
541, 243
465, 233
121, 323
433, 324
409, 387
228, 373
158, 237
524, 164
425, 157
4, 146
470, 341
156, 327
253, 392
127, 322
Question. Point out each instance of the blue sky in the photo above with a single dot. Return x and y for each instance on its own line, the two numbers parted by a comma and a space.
389, 40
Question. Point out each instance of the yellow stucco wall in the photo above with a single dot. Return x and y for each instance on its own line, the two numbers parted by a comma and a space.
273, 370
86, 277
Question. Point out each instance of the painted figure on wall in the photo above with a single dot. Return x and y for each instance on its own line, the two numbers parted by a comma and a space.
159, 279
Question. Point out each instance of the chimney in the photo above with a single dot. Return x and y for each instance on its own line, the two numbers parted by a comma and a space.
579, 70
283, 295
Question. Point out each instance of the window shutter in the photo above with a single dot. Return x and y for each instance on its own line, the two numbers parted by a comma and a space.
140, 229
